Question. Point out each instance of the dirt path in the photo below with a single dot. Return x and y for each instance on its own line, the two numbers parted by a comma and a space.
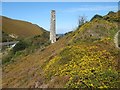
116, 39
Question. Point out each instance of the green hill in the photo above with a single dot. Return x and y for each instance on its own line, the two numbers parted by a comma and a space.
85, 58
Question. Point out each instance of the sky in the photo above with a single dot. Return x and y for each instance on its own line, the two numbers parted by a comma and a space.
67, 13
60, 0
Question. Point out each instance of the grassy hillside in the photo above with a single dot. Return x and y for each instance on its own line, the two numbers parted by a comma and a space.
29, 35
85, 58
20, 28
112, 16
25, 46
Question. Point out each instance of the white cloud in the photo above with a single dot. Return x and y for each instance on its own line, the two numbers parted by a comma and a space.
90, 8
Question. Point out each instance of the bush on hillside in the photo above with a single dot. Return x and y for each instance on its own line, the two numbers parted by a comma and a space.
96, 16
111, 12
21, 45
6, 59
86, 66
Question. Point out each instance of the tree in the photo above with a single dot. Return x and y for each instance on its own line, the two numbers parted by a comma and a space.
81, 20
21, 45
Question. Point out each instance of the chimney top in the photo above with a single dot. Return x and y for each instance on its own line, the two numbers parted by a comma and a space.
53, 10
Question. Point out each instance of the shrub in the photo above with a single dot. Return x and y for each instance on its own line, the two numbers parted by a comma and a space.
7, 58
21, 45
86, 66
96, 16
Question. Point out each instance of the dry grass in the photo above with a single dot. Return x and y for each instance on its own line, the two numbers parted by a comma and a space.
20, 28
27, 70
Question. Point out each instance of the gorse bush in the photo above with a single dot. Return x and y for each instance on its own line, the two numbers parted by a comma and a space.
86, 66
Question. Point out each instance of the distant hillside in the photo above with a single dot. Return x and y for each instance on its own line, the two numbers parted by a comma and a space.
18, 28
6, 37
84, 58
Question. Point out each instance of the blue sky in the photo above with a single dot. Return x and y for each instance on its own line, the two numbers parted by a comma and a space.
67, 13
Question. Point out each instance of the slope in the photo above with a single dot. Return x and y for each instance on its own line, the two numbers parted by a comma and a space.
5, 37
31, 36
18, 28
85, 58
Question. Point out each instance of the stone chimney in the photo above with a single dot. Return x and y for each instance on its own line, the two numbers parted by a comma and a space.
53, 27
